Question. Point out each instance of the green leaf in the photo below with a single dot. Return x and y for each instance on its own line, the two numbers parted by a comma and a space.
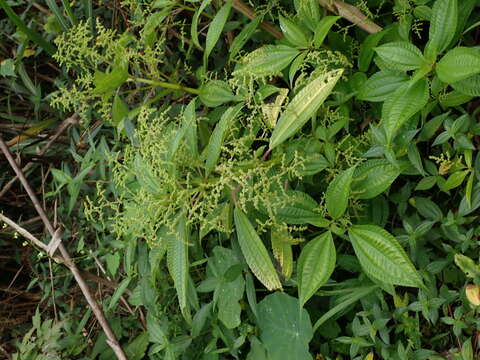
215, 29
373, 177
118, 292
381, 85
405, 102
119, 110
323, 28
443, 25
401, 55
454, 180
308, 12
469, 86
458, 64
255, 253
190, 125
108, 82
367, 49
267, 60
284, 329
300, 209
215, 93
136, 349
381, 256
303, 106
7, 68
177, 263
215, 143
293, 33
315, 265
194, 27
228, 292
337, 194
242, 38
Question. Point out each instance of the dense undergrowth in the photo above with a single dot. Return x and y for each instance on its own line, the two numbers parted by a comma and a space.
291, 179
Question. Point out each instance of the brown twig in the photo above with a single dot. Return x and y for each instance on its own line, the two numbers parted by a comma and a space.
246, 10
111, 338
63, 126
352, 14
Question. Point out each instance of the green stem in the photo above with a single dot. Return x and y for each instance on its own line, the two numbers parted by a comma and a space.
167, 85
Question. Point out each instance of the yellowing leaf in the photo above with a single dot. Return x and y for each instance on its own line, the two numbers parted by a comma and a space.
255, 253
303, 106
315, 265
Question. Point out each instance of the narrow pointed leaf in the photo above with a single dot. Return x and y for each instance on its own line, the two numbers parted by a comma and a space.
303, 106
338, 192
293, 33
267, 60
322, 29
381, 256
215, 29
177, 263
215, 143
405, 102
255, 253
315, 265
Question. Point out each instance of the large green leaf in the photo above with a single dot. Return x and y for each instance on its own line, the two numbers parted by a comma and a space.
315, 265
337, 194
443, 24
405, 102
458, 64
469, 86
284, 330
373, 177
303, 106
228, 292
381, 85
108, 82
367, 49
177, 263
267, 60
215, 93
323, 28
401, 55
255, 253
381, 256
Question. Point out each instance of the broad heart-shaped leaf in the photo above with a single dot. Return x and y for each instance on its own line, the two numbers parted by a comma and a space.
458, 64
303, 106
380, 85
373, 177
177, 263
255, 253
405, 102
315, 265
294, 34
227, 292
401, 55
284, 329
215, 29
215, 143
337, 194
267, 60
381, 256
443, 24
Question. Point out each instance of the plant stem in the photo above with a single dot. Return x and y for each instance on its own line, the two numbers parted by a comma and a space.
167, 85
